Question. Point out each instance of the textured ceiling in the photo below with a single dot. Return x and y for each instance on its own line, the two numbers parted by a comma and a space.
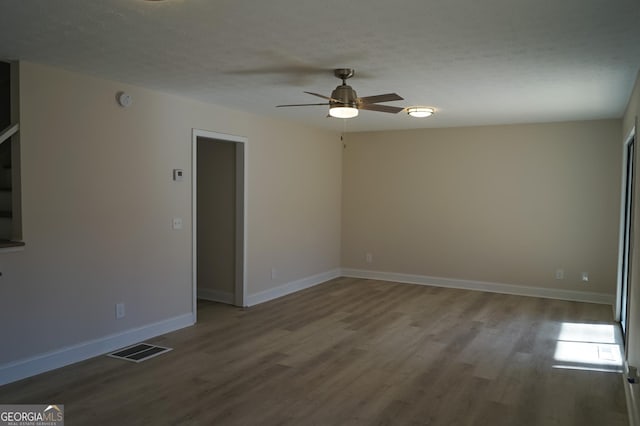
476, 62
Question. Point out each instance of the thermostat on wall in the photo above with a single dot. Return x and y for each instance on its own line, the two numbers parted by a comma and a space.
177, 174
124, 99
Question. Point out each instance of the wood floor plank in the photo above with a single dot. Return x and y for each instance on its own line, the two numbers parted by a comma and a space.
350, 352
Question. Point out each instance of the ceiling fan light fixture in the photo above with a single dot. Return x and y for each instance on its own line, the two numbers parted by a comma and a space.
343, 111
345, 103
420, 112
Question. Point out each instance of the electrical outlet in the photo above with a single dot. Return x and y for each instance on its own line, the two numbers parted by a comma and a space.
176, 223
120, 310
274, 273
560, 274
368, 257
585, 277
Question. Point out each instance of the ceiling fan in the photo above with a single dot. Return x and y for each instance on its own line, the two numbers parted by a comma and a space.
345, 103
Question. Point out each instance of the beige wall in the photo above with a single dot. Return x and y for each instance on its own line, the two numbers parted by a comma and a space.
216, 216
98, 200
633, 344
503, 204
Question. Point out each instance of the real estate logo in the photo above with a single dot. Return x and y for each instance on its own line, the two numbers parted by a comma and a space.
32, 415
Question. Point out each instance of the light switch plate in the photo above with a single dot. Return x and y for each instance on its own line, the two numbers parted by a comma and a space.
120, 313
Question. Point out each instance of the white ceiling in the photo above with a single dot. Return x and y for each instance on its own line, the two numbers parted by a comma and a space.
477, 62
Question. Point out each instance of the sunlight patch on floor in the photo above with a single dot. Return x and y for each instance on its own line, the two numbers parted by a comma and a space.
593, 347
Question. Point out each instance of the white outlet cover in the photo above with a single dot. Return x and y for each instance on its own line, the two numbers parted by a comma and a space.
120, 312
177, 223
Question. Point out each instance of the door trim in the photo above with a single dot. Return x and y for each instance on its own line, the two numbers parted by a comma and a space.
241, 214
621, 240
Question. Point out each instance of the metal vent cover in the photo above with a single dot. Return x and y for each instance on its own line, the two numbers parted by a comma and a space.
139, 352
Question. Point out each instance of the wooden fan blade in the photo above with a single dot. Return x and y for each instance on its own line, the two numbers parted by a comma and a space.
387, 97
381, 108
293, 105
322, 96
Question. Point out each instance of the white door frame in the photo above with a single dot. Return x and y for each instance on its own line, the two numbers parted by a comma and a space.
622, 274
241, 214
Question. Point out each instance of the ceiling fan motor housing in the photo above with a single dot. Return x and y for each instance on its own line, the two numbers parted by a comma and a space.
345, 96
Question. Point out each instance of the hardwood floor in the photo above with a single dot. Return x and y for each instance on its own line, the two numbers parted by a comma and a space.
350, 352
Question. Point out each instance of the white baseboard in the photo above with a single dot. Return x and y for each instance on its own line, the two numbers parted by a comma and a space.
22, 369
292, 287
216, 296
48, 361
548, 293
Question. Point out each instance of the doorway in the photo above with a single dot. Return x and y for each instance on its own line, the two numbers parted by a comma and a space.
219, 219
626, 237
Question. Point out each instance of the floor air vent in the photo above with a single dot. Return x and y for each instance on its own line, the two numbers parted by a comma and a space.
140, 352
